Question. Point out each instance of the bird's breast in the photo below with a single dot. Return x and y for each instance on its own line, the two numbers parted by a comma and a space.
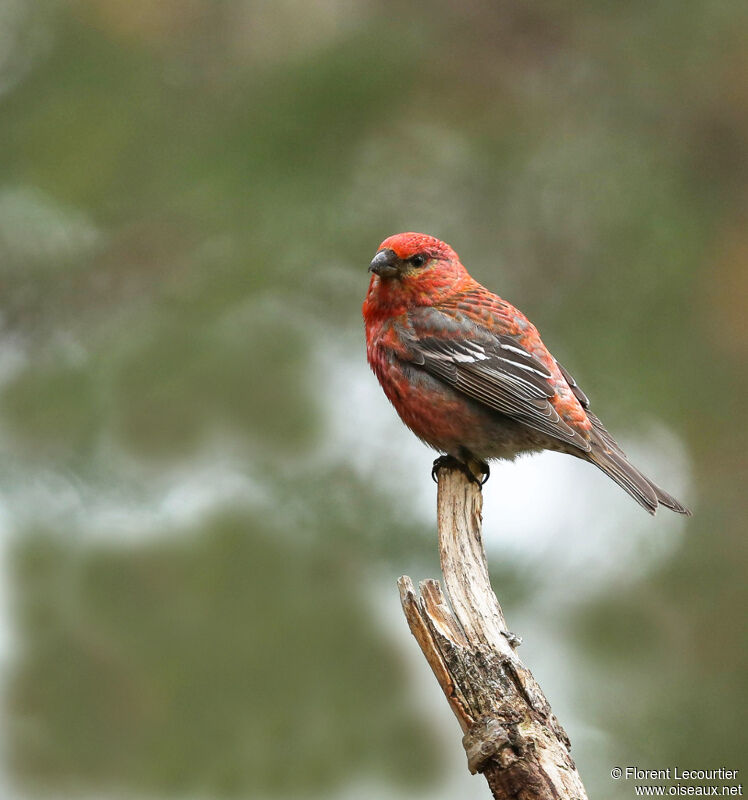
438, 415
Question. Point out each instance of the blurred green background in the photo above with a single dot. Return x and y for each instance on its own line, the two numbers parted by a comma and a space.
205, 499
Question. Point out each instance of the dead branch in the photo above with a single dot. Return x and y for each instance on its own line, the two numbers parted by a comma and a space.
510, 732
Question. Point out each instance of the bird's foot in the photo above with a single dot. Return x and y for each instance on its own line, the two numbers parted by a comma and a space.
441, 462
514, 640
455, 463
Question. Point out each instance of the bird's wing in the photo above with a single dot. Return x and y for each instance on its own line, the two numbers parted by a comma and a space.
491, 368
606, 440
578, 393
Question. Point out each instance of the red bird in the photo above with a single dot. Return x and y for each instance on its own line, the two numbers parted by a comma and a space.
468, 373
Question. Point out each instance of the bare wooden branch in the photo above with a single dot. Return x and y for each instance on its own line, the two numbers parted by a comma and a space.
510, 732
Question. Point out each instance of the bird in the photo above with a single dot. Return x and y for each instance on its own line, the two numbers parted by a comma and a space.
470, 376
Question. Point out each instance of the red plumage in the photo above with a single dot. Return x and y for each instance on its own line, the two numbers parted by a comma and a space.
469, 374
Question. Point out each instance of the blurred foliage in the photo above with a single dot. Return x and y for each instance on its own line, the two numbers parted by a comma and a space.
155, 652
189, 194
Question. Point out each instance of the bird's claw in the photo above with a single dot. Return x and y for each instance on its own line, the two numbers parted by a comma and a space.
455, 463
442, 461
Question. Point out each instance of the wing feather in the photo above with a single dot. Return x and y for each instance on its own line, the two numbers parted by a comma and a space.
578, 393
493, 369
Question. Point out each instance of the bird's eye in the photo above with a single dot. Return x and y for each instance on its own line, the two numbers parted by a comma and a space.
418, 261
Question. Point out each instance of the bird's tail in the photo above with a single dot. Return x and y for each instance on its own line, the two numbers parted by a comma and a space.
609, 457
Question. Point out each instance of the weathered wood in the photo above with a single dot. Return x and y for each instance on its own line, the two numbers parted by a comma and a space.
510, 732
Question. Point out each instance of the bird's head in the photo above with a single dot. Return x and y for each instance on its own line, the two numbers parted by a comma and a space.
411, 256
414, 268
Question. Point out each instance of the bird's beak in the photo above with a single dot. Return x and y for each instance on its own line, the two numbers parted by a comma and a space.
385, 264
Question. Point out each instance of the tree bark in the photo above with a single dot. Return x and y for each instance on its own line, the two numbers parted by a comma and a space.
510, 732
